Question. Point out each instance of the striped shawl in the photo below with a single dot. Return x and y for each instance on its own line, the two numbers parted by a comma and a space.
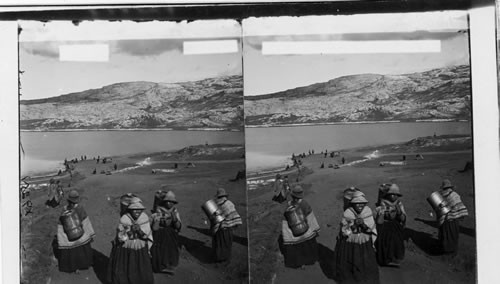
231, 216
312, 232
458, 209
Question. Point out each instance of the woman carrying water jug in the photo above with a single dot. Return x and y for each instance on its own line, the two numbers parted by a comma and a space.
74, 235
299, 230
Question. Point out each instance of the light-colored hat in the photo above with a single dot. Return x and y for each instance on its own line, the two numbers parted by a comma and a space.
170, 196
136, 205
73, 196
298, 191
221, 192
359, 199
446, 184
394, 189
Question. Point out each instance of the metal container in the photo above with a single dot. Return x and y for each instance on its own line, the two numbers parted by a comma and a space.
159, 195
212, 211
72, 225
438, 203
125, 201
348, 194
296, 220
382, 191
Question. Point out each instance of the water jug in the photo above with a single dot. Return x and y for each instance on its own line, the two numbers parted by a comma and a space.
159, 195
210, 207
438, 203
296, 220
72, 225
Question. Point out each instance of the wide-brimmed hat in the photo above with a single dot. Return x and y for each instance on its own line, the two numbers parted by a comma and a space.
394, 189
170, 196
221, 192
446, 183
359, 199
73, 196
136, 205
297, 191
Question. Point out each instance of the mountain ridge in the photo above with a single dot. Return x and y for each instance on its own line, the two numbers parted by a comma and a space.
441, 93
207, 103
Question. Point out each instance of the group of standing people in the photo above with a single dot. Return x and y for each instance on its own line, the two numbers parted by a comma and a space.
143, 245
366, 238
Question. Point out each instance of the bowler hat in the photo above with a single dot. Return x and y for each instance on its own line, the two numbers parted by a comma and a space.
359, 199
394, 189
221, 192
298, 191
136, 205
73, 196
446, 184
170, 196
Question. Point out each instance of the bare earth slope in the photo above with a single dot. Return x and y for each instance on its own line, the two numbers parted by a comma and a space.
436, 94
208, 103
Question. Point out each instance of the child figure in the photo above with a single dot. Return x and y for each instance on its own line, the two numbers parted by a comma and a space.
391, 219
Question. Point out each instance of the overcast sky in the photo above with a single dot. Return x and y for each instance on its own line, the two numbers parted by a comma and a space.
264, 74
137, 52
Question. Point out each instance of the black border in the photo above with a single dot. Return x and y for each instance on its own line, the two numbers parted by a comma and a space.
236, 10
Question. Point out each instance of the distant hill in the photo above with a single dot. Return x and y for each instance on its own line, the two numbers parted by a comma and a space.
443, 93
208, 103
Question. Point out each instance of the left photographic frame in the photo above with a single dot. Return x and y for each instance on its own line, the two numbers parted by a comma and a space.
131, 151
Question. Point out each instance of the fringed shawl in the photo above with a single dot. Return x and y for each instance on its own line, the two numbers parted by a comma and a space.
125, 226
231, 216
288, 237
348, 221
458, 209
88, 231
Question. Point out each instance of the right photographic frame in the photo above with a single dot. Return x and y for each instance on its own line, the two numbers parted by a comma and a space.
359, 153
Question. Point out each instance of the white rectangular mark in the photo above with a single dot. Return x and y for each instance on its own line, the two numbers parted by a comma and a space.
350, 47
84, 52
210, 47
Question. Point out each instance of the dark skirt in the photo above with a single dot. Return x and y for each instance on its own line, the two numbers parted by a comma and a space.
129, 266
279, 198
390, 243
448, 236
355, 263
304, 253
78, 258
165, 249
222, 244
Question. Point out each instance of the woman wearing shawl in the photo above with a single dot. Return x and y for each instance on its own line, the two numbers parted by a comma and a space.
449, 224
354, 252
391, 218
280, 192
130, 262
222, 240
166, 225
300, 250
75, 255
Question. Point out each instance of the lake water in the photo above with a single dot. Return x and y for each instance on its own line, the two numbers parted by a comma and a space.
272, 147
46, 151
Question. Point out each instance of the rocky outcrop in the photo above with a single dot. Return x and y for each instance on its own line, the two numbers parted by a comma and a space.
436, 94
209, 103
